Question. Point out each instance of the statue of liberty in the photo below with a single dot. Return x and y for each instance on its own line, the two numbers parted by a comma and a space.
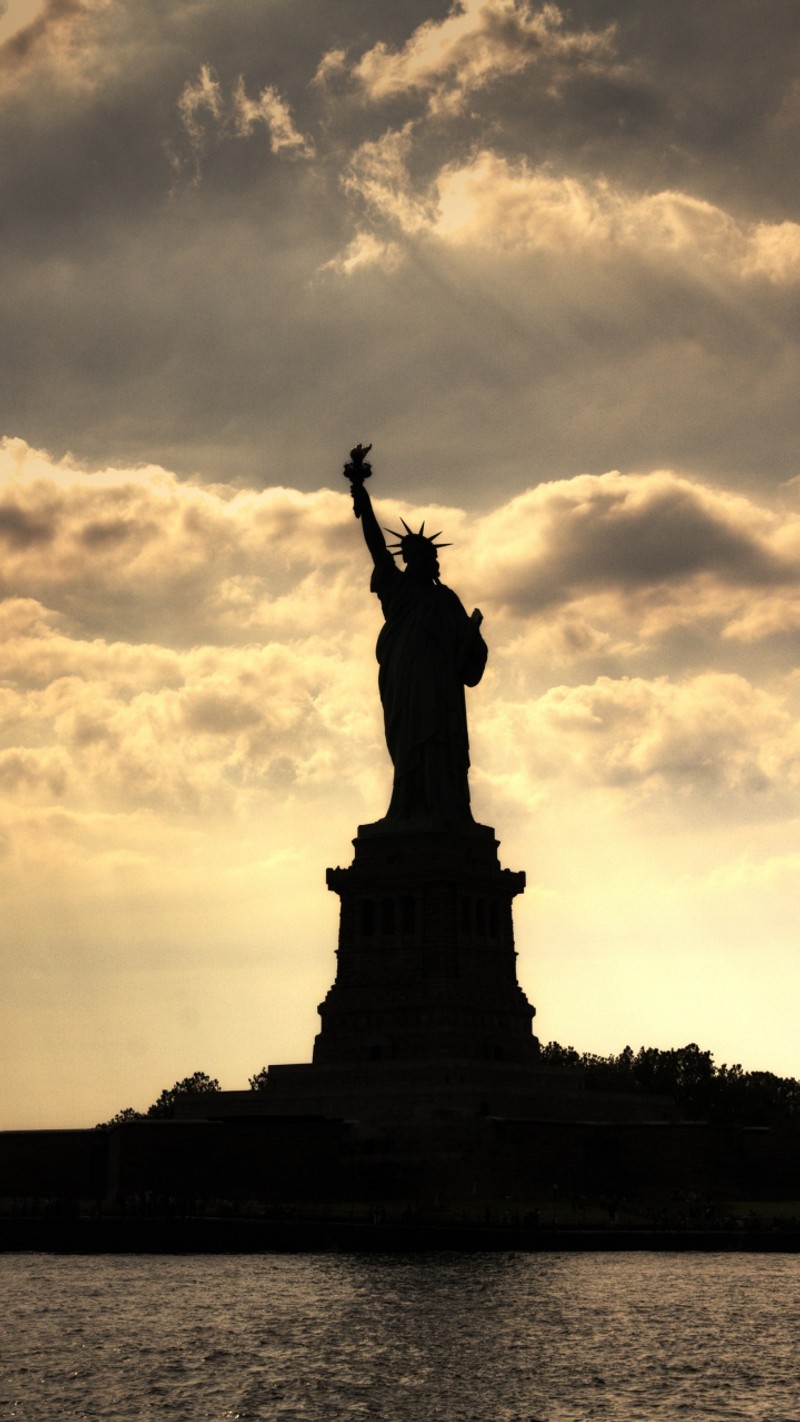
428, 650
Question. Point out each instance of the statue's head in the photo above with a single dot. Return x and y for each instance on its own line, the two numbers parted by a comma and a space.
418, 551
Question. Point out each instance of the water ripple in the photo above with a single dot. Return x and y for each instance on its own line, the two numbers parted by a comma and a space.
486, 1338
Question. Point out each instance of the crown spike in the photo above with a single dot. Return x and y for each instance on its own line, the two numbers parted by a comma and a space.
405, 541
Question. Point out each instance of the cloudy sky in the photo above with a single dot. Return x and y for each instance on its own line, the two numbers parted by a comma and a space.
547, 258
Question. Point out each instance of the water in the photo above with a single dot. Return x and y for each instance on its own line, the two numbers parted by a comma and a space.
475, 1338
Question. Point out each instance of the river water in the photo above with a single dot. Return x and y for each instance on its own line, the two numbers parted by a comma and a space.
463, 1338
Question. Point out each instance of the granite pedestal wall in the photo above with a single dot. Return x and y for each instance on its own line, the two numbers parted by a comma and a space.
425, 1012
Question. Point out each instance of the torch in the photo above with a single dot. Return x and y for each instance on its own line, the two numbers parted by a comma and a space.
357, 470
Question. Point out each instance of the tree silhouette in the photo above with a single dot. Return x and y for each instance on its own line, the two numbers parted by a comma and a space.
687, 1074
700, 1089
128, 1113
198, 1084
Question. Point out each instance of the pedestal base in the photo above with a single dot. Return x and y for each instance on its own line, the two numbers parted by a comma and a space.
426, 961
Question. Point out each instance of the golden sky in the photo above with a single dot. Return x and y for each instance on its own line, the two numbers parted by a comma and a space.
547, 259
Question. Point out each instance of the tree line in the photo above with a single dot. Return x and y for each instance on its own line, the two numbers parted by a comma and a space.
701, 1090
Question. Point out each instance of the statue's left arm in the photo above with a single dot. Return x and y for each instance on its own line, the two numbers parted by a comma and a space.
474, 653
471, 650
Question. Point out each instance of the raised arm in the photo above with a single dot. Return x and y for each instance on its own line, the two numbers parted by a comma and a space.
357, 471
373, 534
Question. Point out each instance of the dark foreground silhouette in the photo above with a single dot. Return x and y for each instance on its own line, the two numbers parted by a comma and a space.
687, 1074
662, 1150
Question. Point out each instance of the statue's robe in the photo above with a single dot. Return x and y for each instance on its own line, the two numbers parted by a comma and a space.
428, 651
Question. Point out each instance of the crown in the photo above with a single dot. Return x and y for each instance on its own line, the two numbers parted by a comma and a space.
407, 541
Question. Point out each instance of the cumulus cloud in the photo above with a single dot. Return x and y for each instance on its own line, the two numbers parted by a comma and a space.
637, 536
493, 201
239, 725
121, 552
505, 205
137, 548
210, 729
712, 742
477, 43
179, 648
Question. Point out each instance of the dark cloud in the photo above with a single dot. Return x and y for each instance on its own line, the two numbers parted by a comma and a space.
697, 102
27, 43
102, 532
671, 537
21, 529
637, 537
178, 299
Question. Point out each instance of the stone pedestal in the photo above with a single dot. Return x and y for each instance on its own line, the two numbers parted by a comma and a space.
425, 1019
426, 962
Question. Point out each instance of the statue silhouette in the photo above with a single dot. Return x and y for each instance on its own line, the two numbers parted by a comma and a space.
428, 650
